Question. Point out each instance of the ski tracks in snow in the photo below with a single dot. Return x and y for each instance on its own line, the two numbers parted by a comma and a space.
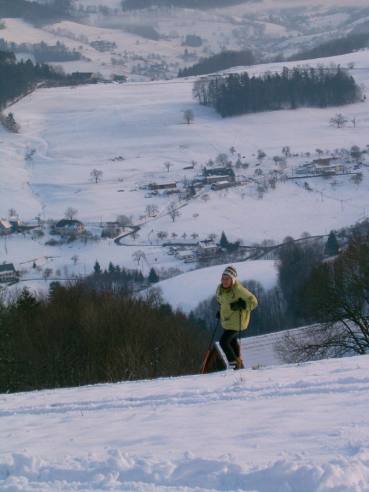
295, 429
237, 387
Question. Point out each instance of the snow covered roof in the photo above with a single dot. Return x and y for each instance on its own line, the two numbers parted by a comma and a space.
5, 224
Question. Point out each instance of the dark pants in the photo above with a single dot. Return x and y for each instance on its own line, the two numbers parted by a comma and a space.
230, 345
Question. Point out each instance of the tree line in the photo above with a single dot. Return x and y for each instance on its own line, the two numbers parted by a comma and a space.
192, 4
219, 61
42, 52
340, 46
18, 78
34, 11
292, 88
80, 335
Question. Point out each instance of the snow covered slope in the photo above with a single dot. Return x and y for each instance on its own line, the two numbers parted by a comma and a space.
268, 27
186, 291
279, 429
74, 131
129, 131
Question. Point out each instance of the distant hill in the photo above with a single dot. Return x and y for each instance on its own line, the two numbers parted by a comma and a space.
220, 61
193, 4
341, 46
33, 11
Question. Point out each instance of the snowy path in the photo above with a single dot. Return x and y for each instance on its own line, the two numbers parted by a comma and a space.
284, 429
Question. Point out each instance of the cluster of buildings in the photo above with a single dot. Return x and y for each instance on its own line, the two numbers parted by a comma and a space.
321, 166
218, 178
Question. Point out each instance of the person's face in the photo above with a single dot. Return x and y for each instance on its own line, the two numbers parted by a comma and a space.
226, 281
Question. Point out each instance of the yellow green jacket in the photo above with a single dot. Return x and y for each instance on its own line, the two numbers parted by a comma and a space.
233, 320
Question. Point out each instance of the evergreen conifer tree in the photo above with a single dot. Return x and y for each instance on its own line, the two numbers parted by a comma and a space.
331, 246
224, 243
153, 276
97, 268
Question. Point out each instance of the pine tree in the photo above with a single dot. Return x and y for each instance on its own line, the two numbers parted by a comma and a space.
331, 246
153, 276
224, 243
97, 268
26, 302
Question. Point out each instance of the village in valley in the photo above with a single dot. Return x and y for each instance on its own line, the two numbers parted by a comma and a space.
229, 171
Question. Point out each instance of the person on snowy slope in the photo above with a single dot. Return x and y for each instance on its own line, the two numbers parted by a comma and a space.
236, 304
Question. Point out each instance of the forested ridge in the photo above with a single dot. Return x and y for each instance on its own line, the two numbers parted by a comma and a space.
18, 78
220, 61
34, 11
340, 46
42, 52
194, 4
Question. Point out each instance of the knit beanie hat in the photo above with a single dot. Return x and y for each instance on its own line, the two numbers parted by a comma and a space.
230, 271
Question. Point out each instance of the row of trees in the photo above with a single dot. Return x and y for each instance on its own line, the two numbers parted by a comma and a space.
194, 4
79, 335
336, 295
220, 61
42, 52
340, 46
17, 79
36, 11
240, 93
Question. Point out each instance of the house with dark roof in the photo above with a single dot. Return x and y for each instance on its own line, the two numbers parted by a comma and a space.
8, 273
69, 226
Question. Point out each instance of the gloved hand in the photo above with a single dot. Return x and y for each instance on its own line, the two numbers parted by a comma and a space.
238, 305
217, 315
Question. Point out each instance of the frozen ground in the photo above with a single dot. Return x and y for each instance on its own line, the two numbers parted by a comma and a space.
278, 429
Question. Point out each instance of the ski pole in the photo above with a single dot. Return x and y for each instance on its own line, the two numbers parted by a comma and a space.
206, 357
239, 335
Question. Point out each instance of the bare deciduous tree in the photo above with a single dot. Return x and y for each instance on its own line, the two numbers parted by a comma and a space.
96, 175
337, 293
221, 159
339, 121
162, 235
188, 116
70, 213
124, 221
139, 256
173, 211
152, 210
167, 165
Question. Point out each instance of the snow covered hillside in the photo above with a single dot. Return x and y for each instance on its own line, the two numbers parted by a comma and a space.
278, 429
131, 132
152, 43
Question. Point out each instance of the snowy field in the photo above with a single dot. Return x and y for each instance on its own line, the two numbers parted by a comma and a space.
279, 429
129, 131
